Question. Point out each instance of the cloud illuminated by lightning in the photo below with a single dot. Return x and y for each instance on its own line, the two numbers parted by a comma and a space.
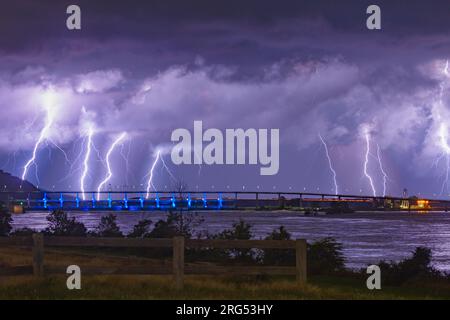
336, 189
90, 133
366, 162
108, 164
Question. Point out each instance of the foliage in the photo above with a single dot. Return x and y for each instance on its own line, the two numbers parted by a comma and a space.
277, 257
108, 227
325, 256
141, 229
410, 269
23, 232
176, 224
5, 221
59, 224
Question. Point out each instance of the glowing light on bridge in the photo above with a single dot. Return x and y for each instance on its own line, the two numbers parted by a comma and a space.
108, 164
330, 164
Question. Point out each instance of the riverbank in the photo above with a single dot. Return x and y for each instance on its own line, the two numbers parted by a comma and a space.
366, 237
196, 287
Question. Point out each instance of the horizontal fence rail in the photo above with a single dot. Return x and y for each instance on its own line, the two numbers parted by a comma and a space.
38, 242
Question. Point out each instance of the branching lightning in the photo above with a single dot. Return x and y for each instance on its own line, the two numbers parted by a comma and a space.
50, 116
108, 164
366, 162
150, 184
380, 164
86, 161
150, 174
336, 189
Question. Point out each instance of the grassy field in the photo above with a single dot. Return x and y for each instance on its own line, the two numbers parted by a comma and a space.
196, 287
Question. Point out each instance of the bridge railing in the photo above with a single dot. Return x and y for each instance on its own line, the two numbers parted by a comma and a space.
38, 242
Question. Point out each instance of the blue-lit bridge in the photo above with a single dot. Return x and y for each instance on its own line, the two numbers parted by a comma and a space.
208, 200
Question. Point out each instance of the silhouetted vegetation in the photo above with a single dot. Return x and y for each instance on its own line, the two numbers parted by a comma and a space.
325, 257
5, 221
279, 257
417, 267
141, 229
23, 232
108, 227
59, 224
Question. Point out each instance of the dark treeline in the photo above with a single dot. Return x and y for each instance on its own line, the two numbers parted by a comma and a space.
325, 256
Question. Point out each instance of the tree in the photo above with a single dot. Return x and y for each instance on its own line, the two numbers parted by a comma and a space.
59, 224
239, 231
278, 256
5, 221
108, 227
325, 256
141, 229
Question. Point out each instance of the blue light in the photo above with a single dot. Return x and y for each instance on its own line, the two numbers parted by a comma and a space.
109, 200
125, 201
173, 201
157, 201
61, 200
220, 201
93, 199
141, 200
204, 201
77, 200
45, 200
189, 200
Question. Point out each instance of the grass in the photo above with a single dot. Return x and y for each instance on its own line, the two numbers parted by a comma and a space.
196, 287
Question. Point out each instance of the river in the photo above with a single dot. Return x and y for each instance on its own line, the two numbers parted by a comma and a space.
366, 237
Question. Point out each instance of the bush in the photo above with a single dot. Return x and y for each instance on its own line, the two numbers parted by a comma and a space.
23, 232
141, 229
325, 257
5, 221
279, 257
176, 224
416, 267
239, 231
108, 227
61, 225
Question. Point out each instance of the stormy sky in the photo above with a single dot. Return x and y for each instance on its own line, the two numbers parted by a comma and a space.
305, 67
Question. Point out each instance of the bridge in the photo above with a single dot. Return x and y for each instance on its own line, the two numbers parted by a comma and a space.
209, 200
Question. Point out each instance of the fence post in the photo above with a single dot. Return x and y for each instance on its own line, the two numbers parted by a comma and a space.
178, 261
38, 254
300, 260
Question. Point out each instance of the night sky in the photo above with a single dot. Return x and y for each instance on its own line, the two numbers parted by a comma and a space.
305, 67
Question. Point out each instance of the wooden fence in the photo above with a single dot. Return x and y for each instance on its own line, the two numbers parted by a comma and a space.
38, 243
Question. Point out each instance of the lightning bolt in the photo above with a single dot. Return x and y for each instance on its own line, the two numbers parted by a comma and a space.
380, 164
50, 116
150, 185
108, 164
336, 189
150, 174
443, 134
90, 133
366, 162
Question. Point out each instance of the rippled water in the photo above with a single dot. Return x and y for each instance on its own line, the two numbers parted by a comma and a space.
366, 237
